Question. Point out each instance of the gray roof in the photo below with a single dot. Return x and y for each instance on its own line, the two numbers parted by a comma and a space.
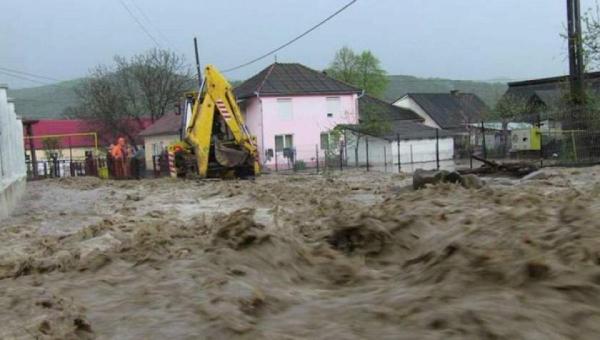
371, 108
285, 79
549, 90
393, 121
451, 110
405, 129
169, 124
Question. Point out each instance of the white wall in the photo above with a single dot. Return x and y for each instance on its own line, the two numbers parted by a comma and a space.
159, 140
411, 151
408, 103
12, 155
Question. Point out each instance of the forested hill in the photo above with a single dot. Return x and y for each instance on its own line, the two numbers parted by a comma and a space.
49, 101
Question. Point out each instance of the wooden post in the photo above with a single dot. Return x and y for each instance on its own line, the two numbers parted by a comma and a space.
384, 160
367, 151
317, 153
437, 148
483, 140
398, 146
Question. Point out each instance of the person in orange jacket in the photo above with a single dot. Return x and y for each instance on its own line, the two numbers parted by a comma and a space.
120, 154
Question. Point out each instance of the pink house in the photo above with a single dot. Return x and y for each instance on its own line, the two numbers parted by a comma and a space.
290, 108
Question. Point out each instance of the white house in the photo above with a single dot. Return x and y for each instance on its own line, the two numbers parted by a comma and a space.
395, 127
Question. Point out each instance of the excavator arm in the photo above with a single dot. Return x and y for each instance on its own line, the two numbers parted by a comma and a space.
215, 131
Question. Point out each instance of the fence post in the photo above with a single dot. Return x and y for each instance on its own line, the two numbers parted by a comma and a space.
437, 148
574, 146
341, 157
398, 146
384, 159
276, 165
367, 151
483, 140
541, 144
470, 149
317, 153
411, 155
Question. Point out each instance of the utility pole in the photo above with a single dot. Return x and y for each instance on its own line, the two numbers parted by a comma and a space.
576, 66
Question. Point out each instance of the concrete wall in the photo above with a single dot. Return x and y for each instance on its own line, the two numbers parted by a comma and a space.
12, 156
308, 119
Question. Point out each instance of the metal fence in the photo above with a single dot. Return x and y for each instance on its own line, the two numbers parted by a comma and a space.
56, 168
548, 139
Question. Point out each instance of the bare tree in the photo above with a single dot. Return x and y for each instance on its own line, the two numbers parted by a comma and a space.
119, 98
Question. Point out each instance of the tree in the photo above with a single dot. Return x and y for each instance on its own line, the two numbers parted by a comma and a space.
362, 70
51, 147
591, 37
119, 98
344, 66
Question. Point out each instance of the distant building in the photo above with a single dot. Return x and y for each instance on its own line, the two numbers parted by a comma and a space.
545, 97
454, 111
159, 135
417, 140
67, 138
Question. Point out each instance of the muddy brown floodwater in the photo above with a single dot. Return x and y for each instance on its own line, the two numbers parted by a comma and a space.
351, 256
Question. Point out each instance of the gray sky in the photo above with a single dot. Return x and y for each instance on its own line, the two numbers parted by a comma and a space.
459, 39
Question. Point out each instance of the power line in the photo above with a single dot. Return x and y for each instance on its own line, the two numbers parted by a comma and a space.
28, 74
143, 13
23, 78
139, 23
293, 40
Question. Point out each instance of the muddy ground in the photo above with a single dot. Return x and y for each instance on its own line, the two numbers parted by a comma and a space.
351, 256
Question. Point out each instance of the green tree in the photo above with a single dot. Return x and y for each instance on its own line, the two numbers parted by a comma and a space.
362, 70
371, 77
344, 66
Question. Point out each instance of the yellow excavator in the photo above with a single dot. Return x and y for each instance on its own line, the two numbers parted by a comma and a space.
215, 142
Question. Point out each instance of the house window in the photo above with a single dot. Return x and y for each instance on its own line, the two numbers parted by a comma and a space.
283, 142
284, 108
333, 106
327, 140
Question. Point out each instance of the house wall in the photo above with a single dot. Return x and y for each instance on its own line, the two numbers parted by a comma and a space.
12, 157
408, 103
309, 119
161, 141
253, 117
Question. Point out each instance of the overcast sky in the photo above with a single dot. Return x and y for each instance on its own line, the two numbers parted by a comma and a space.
459, 39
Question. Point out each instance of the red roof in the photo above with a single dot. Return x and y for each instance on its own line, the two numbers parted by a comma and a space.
169, 124
51, 127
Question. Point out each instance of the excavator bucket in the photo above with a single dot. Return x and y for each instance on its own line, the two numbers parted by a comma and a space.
228, 156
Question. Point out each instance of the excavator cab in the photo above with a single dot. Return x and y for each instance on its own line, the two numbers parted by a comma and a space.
215, 141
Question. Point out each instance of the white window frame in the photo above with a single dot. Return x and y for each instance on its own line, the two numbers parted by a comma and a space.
284, 135
285, 116
333, 106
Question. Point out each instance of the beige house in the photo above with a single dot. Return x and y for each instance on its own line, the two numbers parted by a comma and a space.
159, 135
